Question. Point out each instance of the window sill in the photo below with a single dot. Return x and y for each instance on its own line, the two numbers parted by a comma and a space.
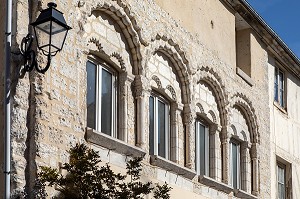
171, 166
114, 144
244, 76
220, 186
282, 109
243, 194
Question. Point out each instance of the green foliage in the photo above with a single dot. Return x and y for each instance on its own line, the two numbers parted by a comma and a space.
86, 179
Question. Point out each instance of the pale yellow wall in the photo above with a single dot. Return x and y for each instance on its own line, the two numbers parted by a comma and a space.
258, 60
210, 21
285, 129
243, 50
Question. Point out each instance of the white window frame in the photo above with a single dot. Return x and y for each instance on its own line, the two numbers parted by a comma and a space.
197, 137
157, 98
114, 119
277, 72
238, 163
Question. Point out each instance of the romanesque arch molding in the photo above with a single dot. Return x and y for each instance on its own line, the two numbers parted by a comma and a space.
209, 77
157, 81
199, 108
120, 13
172, 92
241, 102
179, 63
175, 45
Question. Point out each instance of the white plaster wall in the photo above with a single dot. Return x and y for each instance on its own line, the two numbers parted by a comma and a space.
285, 129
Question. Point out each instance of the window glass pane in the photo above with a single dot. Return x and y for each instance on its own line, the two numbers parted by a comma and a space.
276, 85
161, 129
91, 94
281, 80
281, 88
282, 192
281, 182
281, 96
202, 149
106, 102
151, 125
234, 165
275, 92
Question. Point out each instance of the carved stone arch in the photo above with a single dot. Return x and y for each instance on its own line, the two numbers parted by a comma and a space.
212, 79
244, 136
233, 129
130, 31
175, 45
133, 21
157, 81
213, 116
172, 91
180, 65
240, 101
200, 108
103, 53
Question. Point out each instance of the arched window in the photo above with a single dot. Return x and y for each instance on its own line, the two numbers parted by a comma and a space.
235, 163
159, 126
102, 97
241, 174
202, 148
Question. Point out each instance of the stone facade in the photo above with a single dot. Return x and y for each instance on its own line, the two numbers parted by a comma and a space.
182, 51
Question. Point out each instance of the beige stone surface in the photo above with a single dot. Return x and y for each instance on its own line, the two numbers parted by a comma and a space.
185, 51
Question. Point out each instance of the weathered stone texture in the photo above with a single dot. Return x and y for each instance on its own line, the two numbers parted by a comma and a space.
151, 50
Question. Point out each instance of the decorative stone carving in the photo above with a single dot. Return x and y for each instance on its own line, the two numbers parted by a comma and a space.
178, 61
173, 93
98, 44
174, 44
128, 25
240, 100
120, 60
200, 107
211, 78
140, 86
213, 115
157, 80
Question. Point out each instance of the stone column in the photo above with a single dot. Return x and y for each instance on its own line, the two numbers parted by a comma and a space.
215, 153
124, 86
174, 153
245, 167
255, 168
189, 137
225, 156
141, 113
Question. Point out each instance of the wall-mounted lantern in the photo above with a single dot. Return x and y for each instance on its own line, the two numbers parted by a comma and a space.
50, 30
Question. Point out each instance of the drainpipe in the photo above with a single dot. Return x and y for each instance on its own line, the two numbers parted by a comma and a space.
7, 144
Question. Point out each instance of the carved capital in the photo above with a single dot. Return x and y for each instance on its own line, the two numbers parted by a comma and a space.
188, 114
140, 85
123, 85
224, 136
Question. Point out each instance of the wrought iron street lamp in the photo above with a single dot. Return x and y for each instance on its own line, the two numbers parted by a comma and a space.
50, 30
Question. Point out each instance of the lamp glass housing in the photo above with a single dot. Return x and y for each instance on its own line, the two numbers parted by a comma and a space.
50, 30
50, 37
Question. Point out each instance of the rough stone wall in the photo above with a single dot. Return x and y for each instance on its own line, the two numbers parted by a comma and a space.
49, 110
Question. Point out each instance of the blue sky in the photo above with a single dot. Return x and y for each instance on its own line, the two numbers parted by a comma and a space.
283, 16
